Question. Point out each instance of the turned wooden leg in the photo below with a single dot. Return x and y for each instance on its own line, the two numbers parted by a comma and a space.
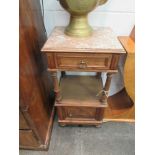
63, 73
105, 92
56, 86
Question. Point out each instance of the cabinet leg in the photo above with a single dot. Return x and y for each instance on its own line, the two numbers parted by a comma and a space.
98, 74
56, 86
105, 92
63, 73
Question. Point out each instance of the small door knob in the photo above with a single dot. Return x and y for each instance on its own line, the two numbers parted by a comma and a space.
83, 64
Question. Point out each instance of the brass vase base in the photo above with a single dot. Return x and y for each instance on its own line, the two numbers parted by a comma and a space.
78, 27
79, 9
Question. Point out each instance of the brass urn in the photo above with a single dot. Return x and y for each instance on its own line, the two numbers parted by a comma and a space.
79, 9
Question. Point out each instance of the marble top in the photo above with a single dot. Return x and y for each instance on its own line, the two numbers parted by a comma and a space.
102, 39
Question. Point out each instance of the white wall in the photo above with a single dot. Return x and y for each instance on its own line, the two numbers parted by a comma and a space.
117, 14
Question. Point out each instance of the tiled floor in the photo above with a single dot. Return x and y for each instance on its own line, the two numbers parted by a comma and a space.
110, 139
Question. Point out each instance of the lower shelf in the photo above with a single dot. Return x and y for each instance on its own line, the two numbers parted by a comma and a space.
81, 91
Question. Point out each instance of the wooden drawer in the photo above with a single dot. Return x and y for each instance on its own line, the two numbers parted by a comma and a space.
82, 61
27, 139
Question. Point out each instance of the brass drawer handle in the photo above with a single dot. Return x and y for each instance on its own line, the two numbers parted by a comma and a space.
83, 64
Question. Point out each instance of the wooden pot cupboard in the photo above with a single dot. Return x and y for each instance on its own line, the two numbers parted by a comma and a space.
79, 100
36, 101
82, 100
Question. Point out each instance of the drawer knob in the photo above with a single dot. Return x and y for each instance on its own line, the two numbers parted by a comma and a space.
83, 64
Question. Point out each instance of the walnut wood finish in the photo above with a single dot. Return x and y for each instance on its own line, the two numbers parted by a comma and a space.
80, 122
81, 90
82, 102
27, 138
56, 86
82, 62
22, 122
36, 106
79, 113
79, 101
105, 92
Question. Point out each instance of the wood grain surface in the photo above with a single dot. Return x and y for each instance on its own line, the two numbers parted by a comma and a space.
35, 85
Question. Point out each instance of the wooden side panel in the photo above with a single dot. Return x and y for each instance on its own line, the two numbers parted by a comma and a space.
34, 80
51, 62
115, 60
